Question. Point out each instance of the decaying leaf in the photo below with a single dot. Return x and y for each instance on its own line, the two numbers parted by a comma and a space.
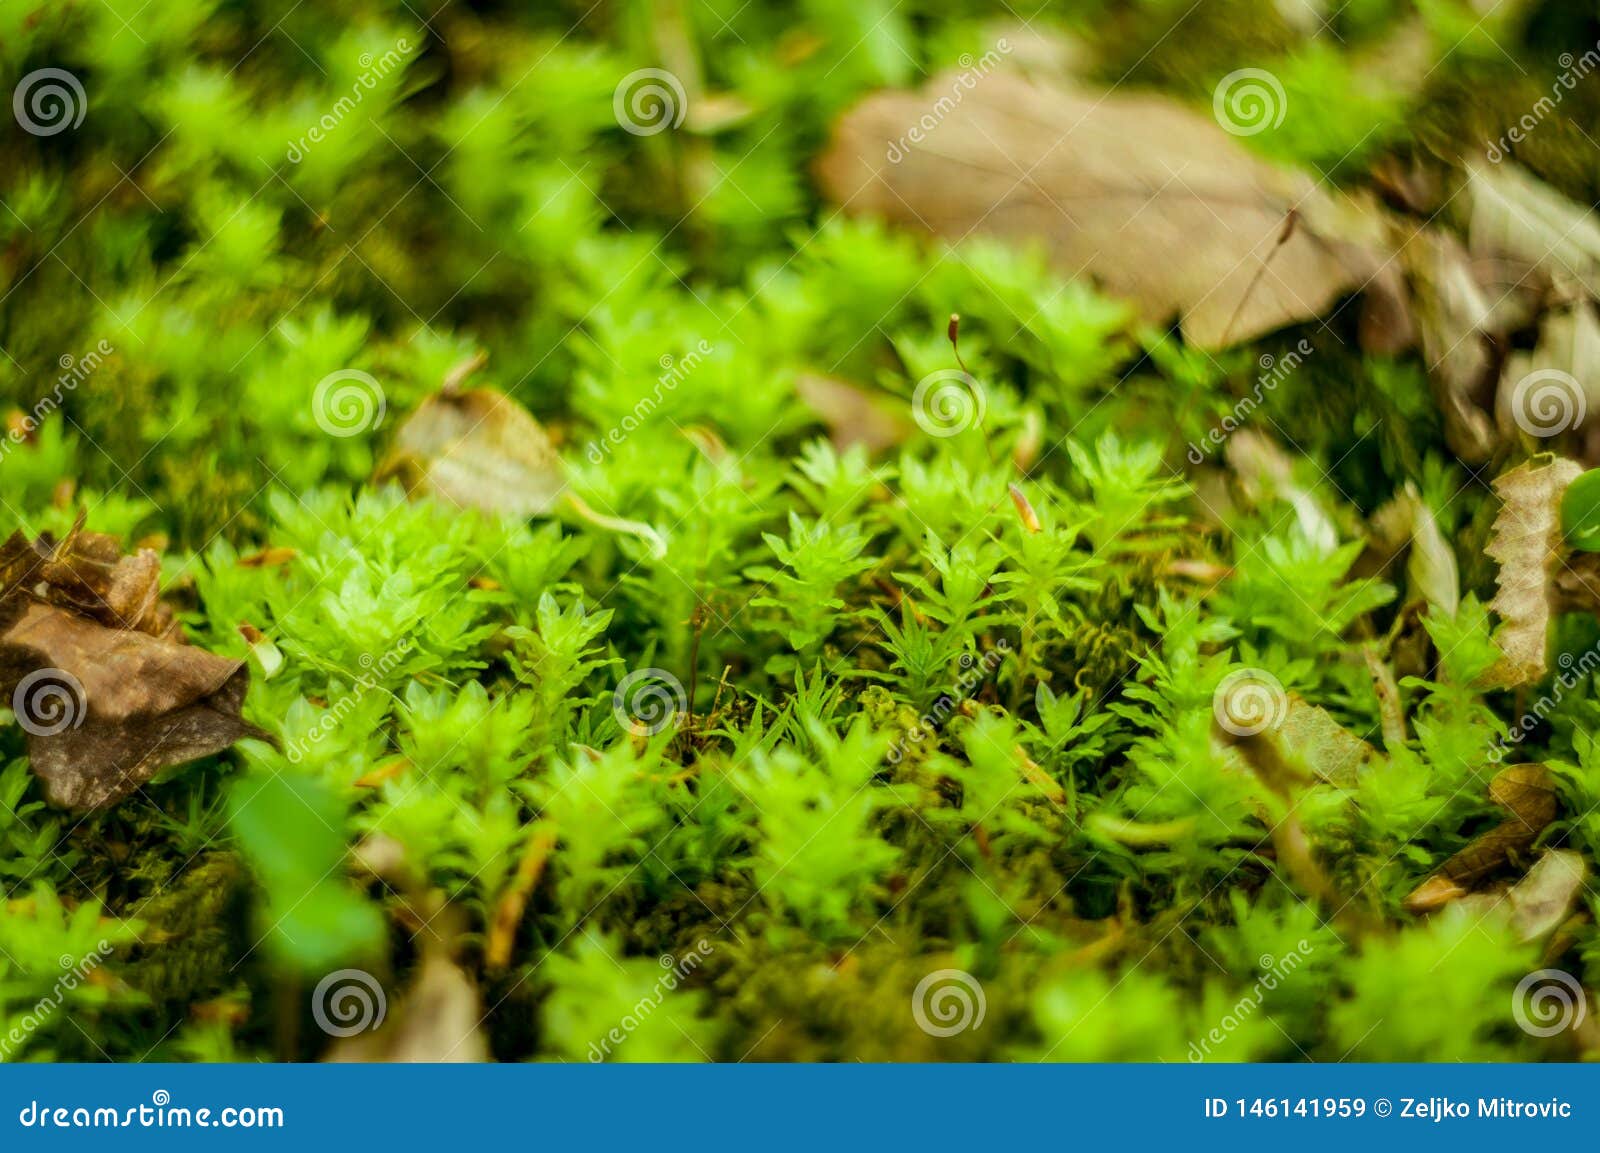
1528, 226
1526, 543
1264, 469
1454, 317
1407, 521
1528, 793
1540, 903
1307, 745
1544, 898
852, 414
480, 449
436, 1021
97, 673
1147, 195
1555, 387
87, 573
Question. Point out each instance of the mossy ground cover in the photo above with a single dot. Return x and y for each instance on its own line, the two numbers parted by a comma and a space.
836, 718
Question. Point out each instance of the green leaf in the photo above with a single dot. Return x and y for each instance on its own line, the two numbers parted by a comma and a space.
1580, 512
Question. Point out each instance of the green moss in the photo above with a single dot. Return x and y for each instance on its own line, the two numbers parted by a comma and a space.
945, 706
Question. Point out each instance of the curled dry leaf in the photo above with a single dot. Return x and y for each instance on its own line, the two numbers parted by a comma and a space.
1528, 793
1536, 906
1526, 541
1544, 898
88, 574
96, 670
1149, 196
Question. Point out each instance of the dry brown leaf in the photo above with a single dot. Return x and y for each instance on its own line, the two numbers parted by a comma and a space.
1519, 225
1407, 521
1307, 745
1552, 389
1542, 900
1149, 196
1330, 751
1528, 793
436, 1021
1526, 543
87, 573
480, 449
1264, 469
852, 414
1539, 904
95, 671
1453, 315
